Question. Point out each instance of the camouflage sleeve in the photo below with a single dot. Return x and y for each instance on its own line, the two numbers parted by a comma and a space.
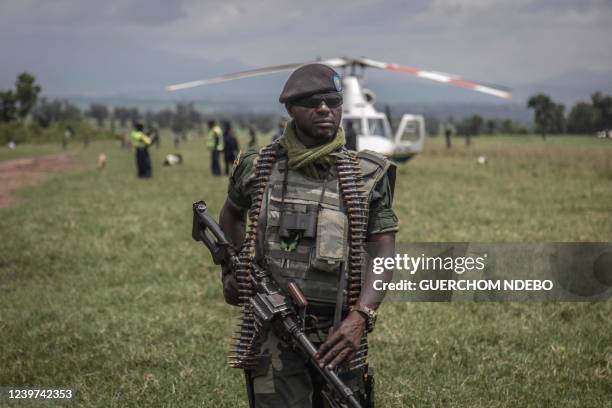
382, 218
240, 187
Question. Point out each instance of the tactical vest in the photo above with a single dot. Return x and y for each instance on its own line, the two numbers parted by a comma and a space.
314, 209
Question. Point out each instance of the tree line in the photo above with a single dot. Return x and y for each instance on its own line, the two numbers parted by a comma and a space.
549, 118
584, 117
16, 104
22, 104
183, 118
26, 115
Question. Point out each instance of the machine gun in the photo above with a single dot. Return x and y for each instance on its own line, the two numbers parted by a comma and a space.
271, 306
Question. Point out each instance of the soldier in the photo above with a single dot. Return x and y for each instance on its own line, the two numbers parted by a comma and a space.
309, 226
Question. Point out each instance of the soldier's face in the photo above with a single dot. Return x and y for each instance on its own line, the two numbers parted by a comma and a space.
320, 123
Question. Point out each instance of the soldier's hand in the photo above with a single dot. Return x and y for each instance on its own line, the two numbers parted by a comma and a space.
230, 290
342, 344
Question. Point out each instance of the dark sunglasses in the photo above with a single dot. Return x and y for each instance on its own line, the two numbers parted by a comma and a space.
313, 101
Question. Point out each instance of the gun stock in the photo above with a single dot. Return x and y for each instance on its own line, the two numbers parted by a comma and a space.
206, 230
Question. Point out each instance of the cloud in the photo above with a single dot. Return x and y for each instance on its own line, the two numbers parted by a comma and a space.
28, 16
491, 40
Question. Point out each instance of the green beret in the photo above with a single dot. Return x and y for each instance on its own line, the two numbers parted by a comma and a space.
308, 80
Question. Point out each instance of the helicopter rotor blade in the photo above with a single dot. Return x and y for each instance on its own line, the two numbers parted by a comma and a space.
334, 62
494, 90
236, 75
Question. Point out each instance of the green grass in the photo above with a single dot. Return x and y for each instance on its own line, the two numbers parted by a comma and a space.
102, 289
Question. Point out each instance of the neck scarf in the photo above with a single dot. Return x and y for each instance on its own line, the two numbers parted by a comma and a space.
315, 161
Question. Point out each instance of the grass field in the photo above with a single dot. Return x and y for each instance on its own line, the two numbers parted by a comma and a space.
103, 290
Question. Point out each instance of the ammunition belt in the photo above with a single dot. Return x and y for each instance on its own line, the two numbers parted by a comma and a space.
244, 350
356, 203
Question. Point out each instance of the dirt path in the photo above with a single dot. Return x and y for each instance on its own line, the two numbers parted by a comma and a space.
21, 173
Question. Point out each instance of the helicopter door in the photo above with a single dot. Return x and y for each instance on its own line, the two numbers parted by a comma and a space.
411, 132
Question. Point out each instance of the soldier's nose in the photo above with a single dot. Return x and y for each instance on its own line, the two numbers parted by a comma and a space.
323, 108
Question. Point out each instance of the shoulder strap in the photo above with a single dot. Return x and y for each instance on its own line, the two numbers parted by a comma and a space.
373, 167
377, 158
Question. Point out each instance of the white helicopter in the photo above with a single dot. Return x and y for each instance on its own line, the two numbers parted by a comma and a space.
372, 129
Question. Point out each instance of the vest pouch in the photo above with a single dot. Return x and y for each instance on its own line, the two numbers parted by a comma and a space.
292, 221
331, 245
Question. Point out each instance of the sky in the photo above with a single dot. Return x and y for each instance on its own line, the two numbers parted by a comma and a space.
94, 48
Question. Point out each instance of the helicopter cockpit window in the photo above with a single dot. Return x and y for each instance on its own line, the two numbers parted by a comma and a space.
376, 127
355, 123
411, 132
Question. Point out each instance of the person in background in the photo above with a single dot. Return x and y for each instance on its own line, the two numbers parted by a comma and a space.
279, 130
215, 145
252, 137
68, 132
142, 143
154, 135
230, 150
447, 135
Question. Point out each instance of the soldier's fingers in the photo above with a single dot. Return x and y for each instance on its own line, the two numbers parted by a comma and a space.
328, 344
333, 353
340, 358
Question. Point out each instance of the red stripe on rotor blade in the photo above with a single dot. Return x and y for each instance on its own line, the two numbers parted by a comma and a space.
408, 70
463, 84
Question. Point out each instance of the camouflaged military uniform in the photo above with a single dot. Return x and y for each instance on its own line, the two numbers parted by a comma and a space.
314, 258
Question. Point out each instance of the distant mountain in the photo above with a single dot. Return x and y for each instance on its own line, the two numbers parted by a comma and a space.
456, 110
126, 72
569, 87
118, 79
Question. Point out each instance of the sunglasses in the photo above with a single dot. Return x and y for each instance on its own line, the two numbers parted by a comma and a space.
313, 101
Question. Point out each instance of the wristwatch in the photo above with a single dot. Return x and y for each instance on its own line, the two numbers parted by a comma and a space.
368, 312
